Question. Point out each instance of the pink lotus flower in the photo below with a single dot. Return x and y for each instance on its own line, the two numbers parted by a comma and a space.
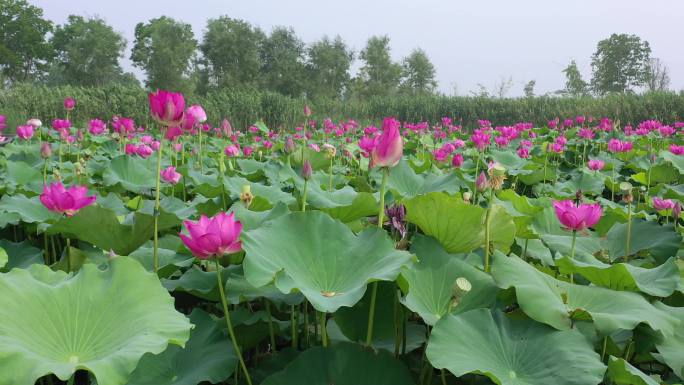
663, 204
144, 151
596, 164
307, 111
69, 103
389, 146
65, 201
197, 113
96, 127
3, 122
307, 170
677, 150
481, 183
617, 145
247, 151
232, 150
25, 132
45, 150
523, 152
172, 133
169, 175
213, 237
457, 160
130, 149
167, 107
575, 217
36, 123
586, 133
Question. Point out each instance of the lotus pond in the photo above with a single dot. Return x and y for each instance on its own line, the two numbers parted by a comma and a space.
340, 253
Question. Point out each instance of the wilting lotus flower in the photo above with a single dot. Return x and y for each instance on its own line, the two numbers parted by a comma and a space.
197, 112
96, 127
169, 175
596, 164
329, 149
69, 103
213, 237
395, 217
25, 132
389, 146
167, 107
663, 204
65, 201
575, 217
36, 123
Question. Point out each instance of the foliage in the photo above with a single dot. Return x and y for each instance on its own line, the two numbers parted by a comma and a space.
620, 64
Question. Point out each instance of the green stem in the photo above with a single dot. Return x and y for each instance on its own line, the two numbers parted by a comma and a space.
229, 324
330, 175
374, 293
68, 254
477, 170
155, 251
443, 377
488, 219
45, 167
525, 249
628, 246
603, 351
270, 326
293, 327
200, 149
71, 379
324, 332
572, 253
306, 187
306, 324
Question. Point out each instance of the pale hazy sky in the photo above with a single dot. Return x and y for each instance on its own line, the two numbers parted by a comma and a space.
469, 42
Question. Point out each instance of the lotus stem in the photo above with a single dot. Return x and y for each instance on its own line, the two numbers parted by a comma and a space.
374, 292
628, 245
306, 187
477, 170
155, 252
306, 324
330, 175
488, 219
270, 326
324, 332
293, 327
572, 253
68, 254
229, 324
200, 149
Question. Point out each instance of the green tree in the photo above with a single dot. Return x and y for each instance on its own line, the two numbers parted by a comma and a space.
88, 52
231, 52
575, 86
328, 68
620, 64
418, 74
282, 62
379, 75
164, 48
529, 88
24, 49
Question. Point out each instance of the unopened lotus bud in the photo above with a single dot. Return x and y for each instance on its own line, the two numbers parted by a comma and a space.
246, 195
481, 182
307, 171
289, 145
676, 211
45, 150
466, 196
459, 289
307, 111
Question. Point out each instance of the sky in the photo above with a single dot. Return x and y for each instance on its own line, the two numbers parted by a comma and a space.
469, 42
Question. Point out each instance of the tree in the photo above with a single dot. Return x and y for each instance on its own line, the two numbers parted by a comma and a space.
378, 75
88, 52
164, 48
620, 64
282, 62
503, 86
418, 74
575, 86
529, 88
327, 68
658, 76
24, 49
231, 51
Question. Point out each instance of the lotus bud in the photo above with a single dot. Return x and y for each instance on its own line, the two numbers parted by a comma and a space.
246, 195
289, 145
307, 171
307, 111
45, 150
460, 288
676, 211
481, 182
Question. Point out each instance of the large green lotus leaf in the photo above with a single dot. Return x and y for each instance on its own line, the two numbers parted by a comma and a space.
660, 281
321, 257
3, 258
23, 175
586, 245
502, 228
208, 356
456, 225
131, 172
512, 162
253, 219
557, 303
662, 242
676, 160
342, 364
30, 210
522, 211
344, 204
172, 211
406, 183
200, 283
102, 228
671, 345
587, 182
170, 260
431, 281
622, 373
102, 321
512, 352
20, 255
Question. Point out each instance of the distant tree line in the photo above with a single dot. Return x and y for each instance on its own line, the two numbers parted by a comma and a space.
235, 54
